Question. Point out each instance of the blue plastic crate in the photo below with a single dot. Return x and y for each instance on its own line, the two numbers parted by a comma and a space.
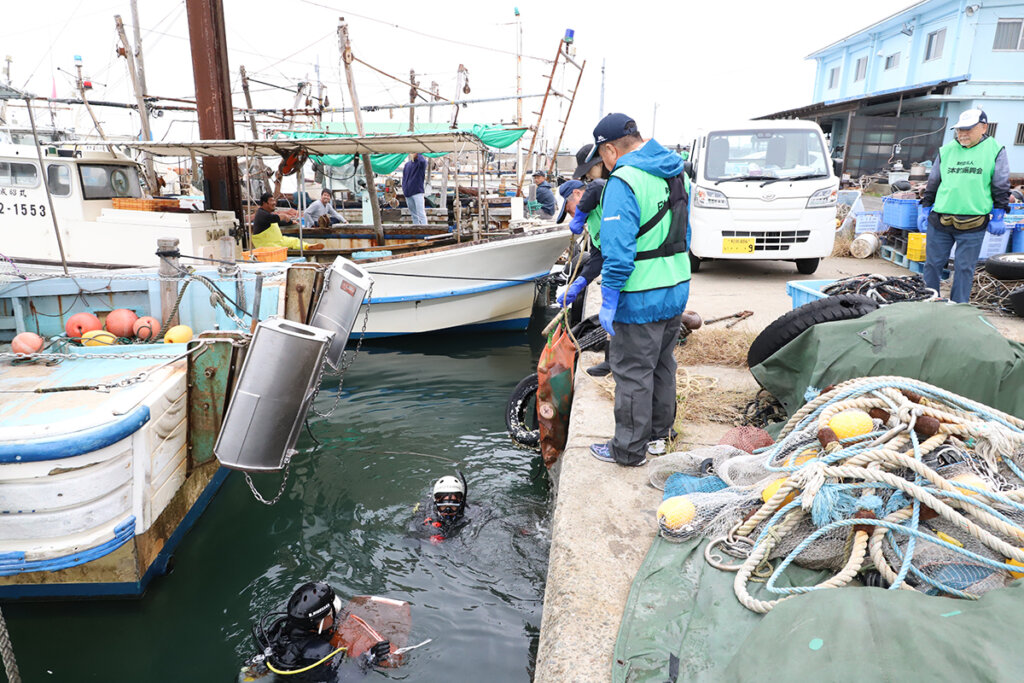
868, 221
805, 291
899, 213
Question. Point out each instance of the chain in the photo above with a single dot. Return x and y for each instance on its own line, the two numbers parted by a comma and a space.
40, 277
284, 482
344, 366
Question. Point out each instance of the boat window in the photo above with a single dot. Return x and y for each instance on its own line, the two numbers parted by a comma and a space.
106, 181
14, 174
764, 153
58, 179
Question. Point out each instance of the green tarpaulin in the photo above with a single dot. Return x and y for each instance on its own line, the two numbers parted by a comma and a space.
949, 345
679, 605
492, 136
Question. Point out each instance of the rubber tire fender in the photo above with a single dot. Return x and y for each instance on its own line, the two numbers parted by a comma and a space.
792, 324
1006, 266
515, 413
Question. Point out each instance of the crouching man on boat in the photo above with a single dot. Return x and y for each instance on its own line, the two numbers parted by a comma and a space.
266, 227
317, 640
445, 515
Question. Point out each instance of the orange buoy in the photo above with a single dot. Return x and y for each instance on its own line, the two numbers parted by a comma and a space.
27, 342
146, 328
121, 322
80, 323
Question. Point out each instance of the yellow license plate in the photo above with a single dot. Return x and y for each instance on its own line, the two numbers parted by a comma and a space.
737, 245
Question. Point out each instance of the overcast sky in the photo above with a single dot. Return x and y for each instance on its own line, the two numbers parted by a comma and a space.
698, 63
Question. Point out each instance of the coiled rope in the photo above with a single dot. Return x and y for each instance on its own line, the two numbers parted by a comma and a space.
838, 489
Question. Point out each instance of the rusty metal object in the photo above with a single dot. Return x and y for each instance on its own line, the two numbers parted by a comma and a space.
740, 315
210, 377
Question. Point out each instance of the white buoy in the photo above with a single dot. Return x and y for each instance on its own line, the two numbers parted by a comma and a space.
865, 245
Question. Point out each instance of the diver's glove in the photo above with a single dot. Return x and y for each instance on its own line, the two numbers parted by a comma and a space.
922, 218
609, 303
579, 219
997, 226
379, 652
571, 291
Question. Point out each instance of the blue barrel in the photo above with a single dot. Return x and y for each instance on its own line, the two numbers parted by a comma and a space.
1017, 240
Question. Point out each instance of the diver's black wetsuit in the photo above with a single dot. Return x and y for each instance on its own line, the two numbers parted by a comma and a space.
428, 524
296, 648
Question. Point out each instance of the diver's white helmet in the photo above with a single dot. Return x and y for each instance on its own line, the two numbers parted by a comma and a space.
449, 484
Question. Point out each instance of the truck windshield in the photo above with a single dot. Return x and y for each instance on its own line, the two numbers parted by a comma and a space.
755, 154
106, 181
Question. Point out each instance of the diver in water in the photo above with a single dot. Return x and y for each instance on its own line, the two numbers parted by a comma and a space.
446, 513
314, 637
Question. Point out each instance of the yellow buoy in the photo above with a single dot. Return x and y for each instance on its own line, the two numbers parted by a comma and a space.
179, 334
676, 512
98, 338
1016, 563
809, 454
970, 479
851, 423
773, 488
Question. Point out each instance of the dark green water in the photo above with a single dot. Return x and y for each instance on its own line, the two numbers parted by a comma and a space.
344, 518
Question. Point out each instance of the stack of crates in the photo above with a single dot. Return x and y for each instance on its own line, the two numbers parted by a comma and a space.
916, 245
903, 246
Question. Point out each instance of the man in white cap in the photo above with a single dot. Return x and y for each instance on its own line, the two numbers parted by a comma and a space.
968, 192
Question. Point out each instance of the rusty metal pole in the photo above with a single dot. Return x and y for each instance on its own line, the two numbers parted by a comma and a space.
221, 183
558, 145
540, 118
371, 184
412, 100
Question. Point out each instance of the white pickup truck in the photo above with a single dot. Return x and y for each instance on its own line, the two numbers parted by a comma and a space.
763, 190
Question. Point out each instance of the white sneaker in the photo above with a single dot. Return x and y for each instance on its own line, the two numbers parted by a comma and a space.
656, 447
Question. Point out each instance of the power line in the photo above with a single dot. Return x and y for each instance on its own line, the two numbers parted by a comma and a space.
425, 35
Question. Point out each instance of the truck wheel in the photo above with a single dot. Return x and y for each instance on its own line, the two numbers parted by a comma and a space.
807, 266
790, 326
1006, 266
694, 263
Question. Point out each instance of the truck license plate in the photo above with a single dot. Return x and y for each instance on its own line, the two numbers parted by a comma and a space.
737, 245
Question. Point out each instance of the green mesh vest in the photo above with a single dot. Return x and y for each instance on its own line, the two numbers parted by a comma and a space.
966, 187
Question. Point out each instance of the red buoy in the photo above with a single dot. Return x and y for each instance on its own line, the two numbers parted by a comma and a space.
27, 342
146, 328
80, 323
120, 322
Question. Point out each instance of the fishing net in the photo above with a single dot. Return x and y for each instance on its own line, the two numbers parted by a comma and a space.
883, 480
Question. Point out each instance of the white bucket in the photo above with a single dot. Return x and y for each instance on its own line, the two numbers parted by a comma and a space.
865, 245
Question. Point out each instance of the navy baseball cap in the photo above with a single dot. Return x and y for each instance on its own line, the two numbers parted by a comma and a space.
971, 118
612, 127
565, 189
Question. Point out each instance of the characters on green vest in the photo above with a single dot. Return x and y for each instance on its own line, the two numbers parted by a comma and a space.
968, 192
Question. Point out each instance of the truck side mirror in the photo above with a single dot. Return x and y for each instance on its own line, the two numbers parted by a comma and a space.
689, 171
837, 168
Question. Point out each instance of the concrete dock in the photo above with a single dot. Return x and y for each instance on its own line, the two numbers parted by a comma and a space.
604, 519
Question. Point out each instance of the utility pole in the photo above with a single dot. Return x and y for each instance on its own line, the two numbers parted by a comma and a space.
412, 99
600, 107
139, 97
85, 100
371, 185
264, 174
519, 68
461, 86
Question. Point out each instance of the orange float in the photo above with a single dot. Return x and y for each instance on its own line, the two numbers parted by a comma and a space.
27, 342
146, 328
121, 321
80, 323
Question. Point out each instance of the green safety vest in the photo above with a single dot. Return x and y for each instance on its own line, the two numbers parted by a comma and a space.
966, 187
652, 270
594, 226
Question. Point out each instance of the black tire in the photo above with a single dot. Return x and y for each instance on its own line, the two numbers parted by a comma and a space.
521, 406
1006, 266
694, 263
790, 326
807, 266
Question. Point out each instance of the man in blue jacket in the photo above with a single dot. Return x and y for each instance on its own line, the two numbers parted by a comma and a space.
645, 283
413, 174
545, 197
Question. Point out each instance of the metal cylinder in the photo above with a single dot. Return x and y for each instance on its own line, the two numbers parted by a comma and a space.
345, 285
275, 387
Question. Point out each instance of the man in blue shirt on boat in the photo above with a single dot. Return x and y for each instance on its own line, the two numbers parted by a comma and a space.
413, 174
545, 197
645, 283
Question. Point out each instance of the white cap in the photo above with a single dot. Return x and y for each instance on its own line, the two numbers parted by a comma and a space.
971, 118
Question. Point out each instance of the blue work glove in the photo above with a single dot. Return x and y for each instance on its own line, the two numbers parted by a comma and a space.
609, 304
579, 219
922, 218
997, 225
572, 291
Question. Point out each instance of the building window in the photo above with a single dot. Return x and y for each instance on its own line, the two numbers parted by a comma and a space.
1009, 35
862, 69
1019, 140
991, 131
892, 61
933, 50
833, 78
